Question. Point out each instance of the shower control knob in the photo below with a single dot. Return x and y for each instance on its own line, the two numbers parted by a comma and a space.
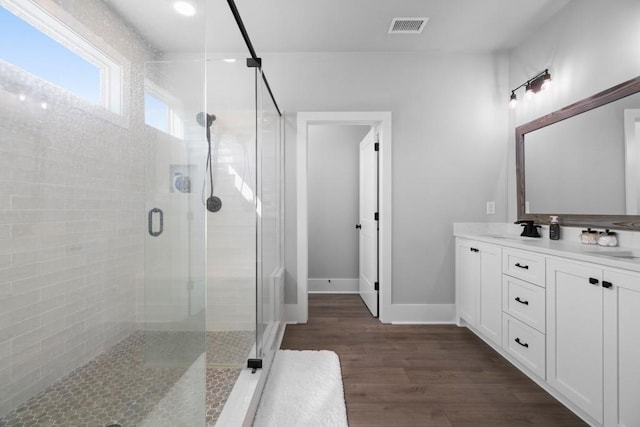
214, 204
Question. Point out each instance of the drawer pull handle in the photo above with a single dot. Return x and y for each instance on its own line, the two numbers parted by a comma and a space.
474, 250
606, 284
522, 302
526, 267
521, 343
593, 281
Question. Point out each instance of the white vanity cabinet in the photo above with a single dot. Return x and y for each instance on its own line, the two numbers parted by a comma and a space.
571, 322
479, 288
593, 353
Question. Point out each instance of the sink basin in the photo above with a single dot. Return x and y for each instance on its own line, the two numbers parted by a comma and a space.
507, 237
618, 254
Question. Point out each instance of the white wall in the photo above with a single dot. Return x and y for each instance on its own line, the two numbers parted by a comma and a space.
333, 170
588, 47
449, 153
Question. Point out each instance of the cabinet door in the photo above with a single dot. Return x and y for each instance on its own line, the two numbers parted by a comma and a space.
574, 334
467, 280
490, 304
622, 348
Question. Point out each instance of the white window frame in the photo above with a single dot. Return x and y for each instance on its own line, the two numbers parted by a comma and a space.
111, 71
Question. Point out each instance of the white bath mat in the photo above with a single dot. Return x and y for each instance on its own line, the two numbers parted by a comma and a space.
304, 388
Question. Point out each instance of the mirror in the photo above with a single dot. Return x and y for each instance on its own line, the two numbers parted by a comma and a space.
582, 162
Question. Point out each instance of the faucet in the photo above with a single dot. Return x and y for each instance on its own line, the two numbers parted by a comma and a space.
530, 230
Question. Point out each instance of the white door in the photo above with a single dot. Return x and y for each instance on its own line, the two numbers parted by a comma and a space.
368, 224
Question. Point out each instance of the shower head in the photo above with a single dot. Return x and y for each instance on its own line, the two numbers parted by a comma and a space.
205, 119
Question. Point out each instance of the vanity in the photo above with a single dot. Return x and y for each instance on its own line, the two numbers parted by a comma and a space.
566, 314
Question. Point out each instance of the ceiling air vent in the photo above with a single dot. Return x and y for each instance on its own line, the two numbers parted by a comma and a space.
407, 25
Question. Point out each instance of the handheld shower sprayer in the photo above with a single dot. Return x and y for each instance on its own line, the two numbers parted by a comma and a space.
214, 204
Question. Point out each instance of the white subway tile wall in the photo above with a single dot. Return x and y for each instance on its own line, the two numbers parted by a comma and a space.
71, 242
72, 220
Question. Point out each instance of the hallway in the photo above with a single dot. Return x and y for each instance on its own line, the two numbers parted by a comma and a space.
406, 375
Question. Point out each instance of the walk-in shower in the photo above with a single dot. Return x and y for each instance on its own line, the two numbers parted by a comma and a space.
140, 213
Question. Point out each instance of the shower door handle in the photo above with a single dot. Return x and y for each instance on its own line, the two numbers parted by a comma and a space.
150, 222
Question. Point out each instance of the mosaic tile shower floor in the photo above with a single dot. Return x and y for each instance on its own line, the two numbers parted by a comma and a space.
120, 386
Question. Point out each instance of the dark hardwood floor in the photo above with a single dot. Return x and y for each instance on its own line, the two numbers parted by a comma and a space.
397, 375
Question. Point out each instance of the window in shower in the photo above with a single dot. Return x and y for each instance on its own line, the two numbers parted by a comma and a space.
161, 110
40, 43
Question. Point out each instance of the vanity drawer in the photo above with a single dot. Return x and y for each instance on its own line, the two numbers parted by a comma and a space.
525, 344
524, 301
524, 265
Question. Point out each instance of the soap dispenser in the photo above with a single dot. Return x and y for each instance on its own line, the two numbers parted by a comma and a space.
554, 228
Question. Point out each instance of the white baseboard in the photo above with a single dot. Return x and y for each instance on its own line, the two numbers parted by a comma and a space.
421, 314
414, 314
330, 285
335, 292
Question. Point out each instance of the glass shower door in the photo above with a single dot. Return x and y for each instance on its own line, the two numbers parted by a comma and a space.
231, 232
174, 312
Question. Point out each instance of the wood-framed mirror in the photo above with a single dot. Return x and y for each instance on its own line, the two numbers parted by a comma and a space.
582, 162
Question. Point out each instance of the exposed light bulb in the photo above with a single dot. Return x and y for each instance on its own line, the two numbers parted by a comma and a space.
513, 102
528, 94
22, 97
44, 105
184, 8
546, 83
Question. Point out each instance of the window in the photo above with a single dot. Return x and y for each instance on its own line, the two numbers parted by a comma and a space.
39, 43
156, 113
161, 110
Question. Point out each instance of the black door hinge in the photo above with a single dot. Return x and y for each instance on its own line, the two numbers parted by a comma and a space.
254, 62
254, 365
375, 216
376, 146
376, 286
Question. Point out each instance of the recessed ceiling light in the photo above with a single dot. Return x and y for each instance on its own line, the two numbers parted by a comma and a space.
184, 8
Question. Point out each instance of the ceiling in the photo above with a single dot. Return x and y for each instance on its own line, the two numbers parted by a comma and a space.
277, 26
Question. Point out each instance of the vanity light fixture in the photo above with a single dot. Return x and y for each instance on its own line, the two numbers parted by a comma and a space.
513, 102
540, 81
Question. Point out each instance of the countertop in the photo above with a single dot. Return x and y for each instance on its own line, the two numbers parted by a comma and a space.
628, 258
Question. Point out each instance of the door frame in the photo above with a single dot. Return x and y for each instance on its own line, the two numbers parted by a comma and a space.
381, 119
